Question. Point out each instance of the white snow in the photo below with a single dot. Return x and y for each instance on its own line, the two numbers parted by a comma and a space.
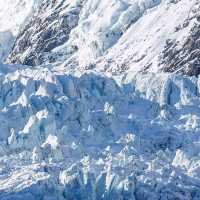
13, 15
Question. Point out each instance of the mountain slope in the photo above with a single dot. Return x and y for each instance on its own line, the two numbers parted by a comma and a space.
136, 36
13, 13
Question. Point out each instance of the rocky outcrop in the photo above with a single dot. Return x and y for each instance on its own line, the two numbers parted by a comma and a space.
48, 28
184, 58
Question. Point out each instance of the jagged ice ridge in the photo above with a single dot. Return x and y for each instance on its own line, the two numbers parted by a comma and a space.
89, 110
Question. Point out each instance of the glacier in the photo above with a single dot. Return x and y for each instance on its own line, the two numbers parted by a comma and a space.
89, 109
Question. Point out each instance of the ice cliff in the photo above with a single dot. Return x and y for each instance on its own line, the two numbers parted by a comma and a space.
99, 100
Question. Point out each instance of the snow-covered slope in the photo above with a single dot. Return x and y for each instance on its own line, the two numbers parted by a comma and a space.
115, 36
87, 110
13, 14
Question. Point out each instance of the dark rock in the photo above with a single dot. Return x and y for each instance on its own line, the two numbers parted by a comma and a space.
44, 32
184, 59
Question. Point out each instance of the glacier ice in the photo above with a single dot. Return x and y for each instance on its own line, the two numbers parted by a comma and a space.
94, 137
94, 117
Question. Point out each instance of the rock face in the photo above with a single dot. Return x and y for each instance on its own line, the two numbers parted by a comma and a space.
13, 13
184, 58
77, 33
51, 26
48, 28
